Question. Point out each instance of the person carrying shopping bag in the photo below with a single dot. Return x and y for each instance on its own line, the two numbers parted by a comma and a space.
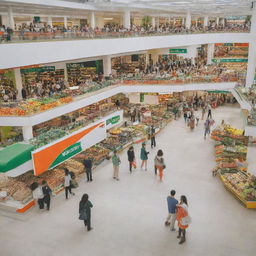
159, 163
85, 211
183, 218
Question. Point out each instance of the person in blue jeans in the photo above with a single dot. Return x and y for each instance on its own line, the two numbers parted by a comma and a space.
171, 202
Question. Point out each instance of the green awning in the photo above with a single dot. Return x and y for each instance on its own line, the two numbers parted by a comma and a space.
217, 91
15, 155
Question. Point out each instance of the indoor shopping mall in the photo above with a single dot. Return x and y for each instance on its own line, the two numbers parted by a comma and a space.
127, 127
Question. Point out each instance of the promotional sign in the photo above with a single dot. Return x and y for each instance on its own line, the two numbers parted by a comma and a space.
114, 120
53, 154
38, 69
229, 60
178, 50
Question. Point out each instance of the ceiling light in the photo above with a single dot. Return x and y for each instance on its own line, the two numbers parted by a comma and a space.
108, 18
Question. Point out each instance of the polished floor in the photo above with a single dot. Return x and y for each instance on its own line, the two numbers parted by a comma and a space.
128, 215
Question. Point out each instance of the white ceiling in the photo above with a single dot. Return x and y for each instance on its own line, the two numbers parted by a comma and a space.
150, 7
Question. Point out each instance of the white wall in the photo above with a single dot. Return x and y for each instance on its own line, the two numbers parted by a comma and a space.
22, 54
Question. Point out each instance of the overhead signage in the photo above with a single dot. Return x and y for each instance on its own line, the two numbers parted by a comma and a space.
229, 60
178, 50
233, 44
113, 120
38, 69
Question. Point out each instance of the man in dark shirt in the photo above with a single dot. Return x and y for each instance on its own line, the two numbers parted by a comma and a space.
171, 202
88, 168
153, 136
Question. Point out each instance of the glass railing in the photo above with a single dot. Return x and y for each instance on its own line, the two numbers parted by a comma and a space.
37, 105
18, 36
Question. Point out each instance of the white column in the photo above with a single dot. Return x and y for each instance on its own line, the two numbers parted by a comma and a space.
10, 18
223, 21
65, 22
188, 20
127, 19
92, 20
217, 21
107, 65
206, 19
252, 51
27, 132
183, 21
192, 52
153, 22
49, 21
210, 53
18, 82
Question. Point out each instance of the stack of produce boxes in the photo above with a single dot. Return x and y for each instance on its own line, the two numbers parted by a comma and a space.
231, 152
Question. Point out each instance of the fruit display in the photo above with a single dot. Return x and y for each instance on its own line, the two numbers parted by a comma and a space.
231, 151
251, 119
32, 106
96, 153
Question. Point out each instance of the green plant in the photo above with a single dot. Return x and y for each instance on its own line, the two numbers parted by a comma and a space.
146, 21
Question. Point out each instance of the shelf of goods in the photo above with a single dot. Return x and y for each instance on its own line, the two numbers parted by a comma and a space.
15, 193
231, 152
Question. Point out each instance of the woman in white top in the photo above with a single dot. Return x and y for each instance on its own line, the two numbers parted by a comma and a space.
38, 195
67, 183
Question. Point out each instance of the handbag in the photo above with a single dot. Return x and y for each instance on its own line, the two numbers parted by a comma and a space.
83, 215
73, 184
186, 220
134, 164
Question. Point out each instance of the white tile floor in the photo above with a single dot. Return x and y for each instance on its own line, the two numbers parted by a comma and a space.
128, 216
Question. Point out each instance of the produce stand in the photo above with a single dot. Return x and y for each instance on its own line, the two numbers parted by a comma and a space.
231, 152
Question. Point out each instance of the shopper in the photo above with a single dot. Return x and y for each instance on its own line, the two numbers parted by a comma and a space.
207, 128
144, 156
88, 169
159, 163
38, 195
131, 158
47, 194
182, 218
203, 112
85, 211
185, 116
209, 112
116, 162
172, 203
153, 136
67, 183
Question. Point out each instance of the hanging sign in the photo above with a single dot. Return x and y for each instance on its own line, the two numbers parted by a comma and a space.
229, 60
178, 50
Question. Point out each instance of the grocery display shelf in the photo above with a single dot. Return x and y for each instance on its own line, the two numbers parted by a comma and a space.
96, 96
248, 204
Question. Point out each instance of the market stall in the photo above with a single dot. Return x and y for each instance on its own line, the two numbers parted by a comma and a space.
231, 154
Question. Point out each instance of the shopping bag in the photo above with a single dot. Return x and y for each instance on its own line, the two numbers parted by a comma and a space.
82, 216
186, 220
134, 165
74, 184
